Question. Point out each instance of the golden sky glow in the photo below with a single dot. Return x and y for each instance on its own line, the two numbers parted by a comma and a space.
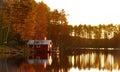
88, 11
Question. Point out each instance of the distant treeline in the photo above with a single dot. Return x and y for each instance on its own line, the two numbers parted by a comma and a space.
85, 35
25, 19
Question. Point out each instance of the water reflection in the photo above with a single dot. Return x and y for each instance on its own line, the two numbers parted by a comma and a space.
35, 63
40, 61
98, 62
91, 70
80, 61
86, 61
44, 58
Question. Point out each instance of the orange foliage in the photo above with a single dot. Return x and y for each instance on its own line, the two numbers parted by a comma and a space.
40, 68
24, 67
29, 30
41, 20
23, 19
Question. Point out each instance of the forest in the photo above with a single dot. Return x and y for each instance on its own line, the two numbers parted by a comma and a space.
23, 20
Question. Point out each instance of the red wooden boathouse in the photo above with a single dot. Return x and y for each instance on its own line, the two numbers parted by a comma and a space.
40, 45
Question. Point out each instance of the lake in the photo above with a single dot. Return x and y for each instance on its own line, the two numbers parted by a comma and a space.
82, 60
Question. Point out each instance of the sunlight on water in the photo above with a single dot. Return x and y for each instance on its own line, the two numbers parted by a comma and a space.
90, 62
110, 60
50, 60
92, 58
102, 60
74, 70
73, 60
91, 70
61, 70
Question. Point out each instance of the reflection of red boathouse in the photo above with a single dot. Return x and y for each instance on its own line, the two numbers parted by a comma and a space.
41, 58
40, 45
40, 61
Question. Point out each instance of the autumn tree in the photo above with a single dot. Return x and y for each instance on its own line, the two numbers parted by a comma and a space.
5, 7
42, 11
19, 14
30, 24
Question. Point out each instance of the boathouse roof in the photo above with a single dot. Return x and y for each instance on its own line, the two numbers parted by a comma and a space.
39, 42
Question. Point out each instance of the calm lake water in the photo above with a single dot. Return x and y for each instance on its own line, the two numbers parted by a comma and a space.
75, 61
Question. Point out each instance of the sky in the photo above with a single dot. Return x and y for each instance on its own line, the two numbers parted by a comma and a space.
92, 12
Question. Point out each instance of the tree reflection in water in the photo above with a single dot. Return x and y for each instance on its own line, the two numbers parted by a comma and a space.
35, 63
86, 61
80, 61
98, 62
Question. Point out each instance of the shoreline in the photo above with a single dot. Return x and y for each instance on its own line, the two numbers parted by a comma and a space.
6, 51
